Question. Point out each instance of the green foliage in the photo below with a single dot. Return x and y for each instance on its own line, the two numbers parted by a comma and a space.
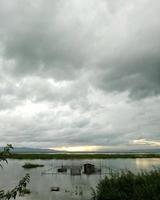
79, 156
128, 186
20, 189
5, 153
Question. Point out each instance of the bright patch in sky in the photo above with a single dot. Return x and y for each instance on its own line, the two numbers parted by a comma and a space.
79, 148
147, 142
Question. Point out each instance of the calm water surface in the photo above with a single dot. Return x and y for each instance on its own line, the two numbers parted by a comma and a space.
71, 187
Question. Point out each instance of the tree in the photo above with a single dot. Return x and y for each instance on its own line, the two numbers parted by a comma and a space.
21, 187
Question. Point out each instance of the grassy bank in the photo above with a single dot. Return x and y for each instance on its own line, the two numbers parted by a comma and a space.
81, 156
128, 186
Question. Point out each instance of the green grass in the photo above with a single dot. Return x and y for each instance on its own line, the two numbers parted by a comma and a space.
80, 156
31, 165
128, 186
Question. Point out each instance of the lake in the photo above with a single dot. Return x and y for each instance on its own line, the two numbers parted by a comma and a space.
71, 187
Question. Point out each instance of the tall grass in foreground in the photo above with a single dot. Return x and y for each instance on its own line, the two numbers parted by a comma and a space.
128, 186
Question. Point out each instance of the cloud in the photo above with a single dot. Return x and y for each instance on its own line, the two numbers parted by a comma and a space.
131, 63
147, 142
118, 40
44, 37
79, 73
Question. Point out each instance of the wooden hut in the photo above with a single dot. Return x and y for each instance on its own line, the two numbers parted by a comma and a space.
89, 168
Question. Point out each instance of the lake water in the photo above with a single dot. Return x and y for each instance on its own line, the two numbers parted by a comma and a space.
71, 187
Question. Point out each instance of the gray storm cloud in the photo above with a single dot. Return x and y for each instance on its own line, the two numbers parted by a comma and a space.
79, 72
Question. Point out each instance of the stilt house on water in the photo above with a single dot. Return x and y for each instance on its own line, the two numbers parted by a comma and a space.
89, 168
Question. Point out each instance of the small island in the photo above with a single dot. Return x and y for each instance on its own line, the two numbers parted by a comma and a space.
31, 165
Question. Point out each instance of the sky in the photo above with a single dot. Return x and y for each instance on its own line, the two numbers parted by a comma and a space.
80, 74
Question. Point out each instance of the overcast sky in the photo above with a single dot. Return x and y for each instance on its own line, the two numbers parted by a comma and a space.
80, 74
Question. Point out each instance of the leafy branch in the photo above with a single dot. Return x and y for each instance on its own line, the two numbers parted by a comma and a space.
5, 153
20, 189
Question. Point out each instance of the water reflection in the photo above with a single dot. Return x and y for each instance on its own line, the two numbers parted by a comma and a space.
147, 163
71, 187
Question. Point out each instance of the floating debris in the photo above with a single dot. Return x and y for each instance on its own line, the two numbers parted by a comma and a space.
67, 190
56, 189
62, 169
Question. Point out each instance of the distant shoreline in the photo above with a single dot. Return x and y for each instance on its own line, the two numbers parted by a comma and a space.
64, 156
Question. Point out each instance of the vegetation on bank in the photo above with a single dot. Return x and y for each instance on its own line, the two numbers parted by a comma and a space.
31, 165
79, 156
128, 186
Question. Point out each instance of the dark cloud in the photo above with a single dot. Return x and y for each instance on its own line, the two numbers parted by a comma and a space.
141, 78
134, 65
42, 38
60, 39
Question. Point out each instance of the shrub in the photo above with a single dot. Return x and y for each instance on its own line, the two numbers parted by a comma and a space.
129, 186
